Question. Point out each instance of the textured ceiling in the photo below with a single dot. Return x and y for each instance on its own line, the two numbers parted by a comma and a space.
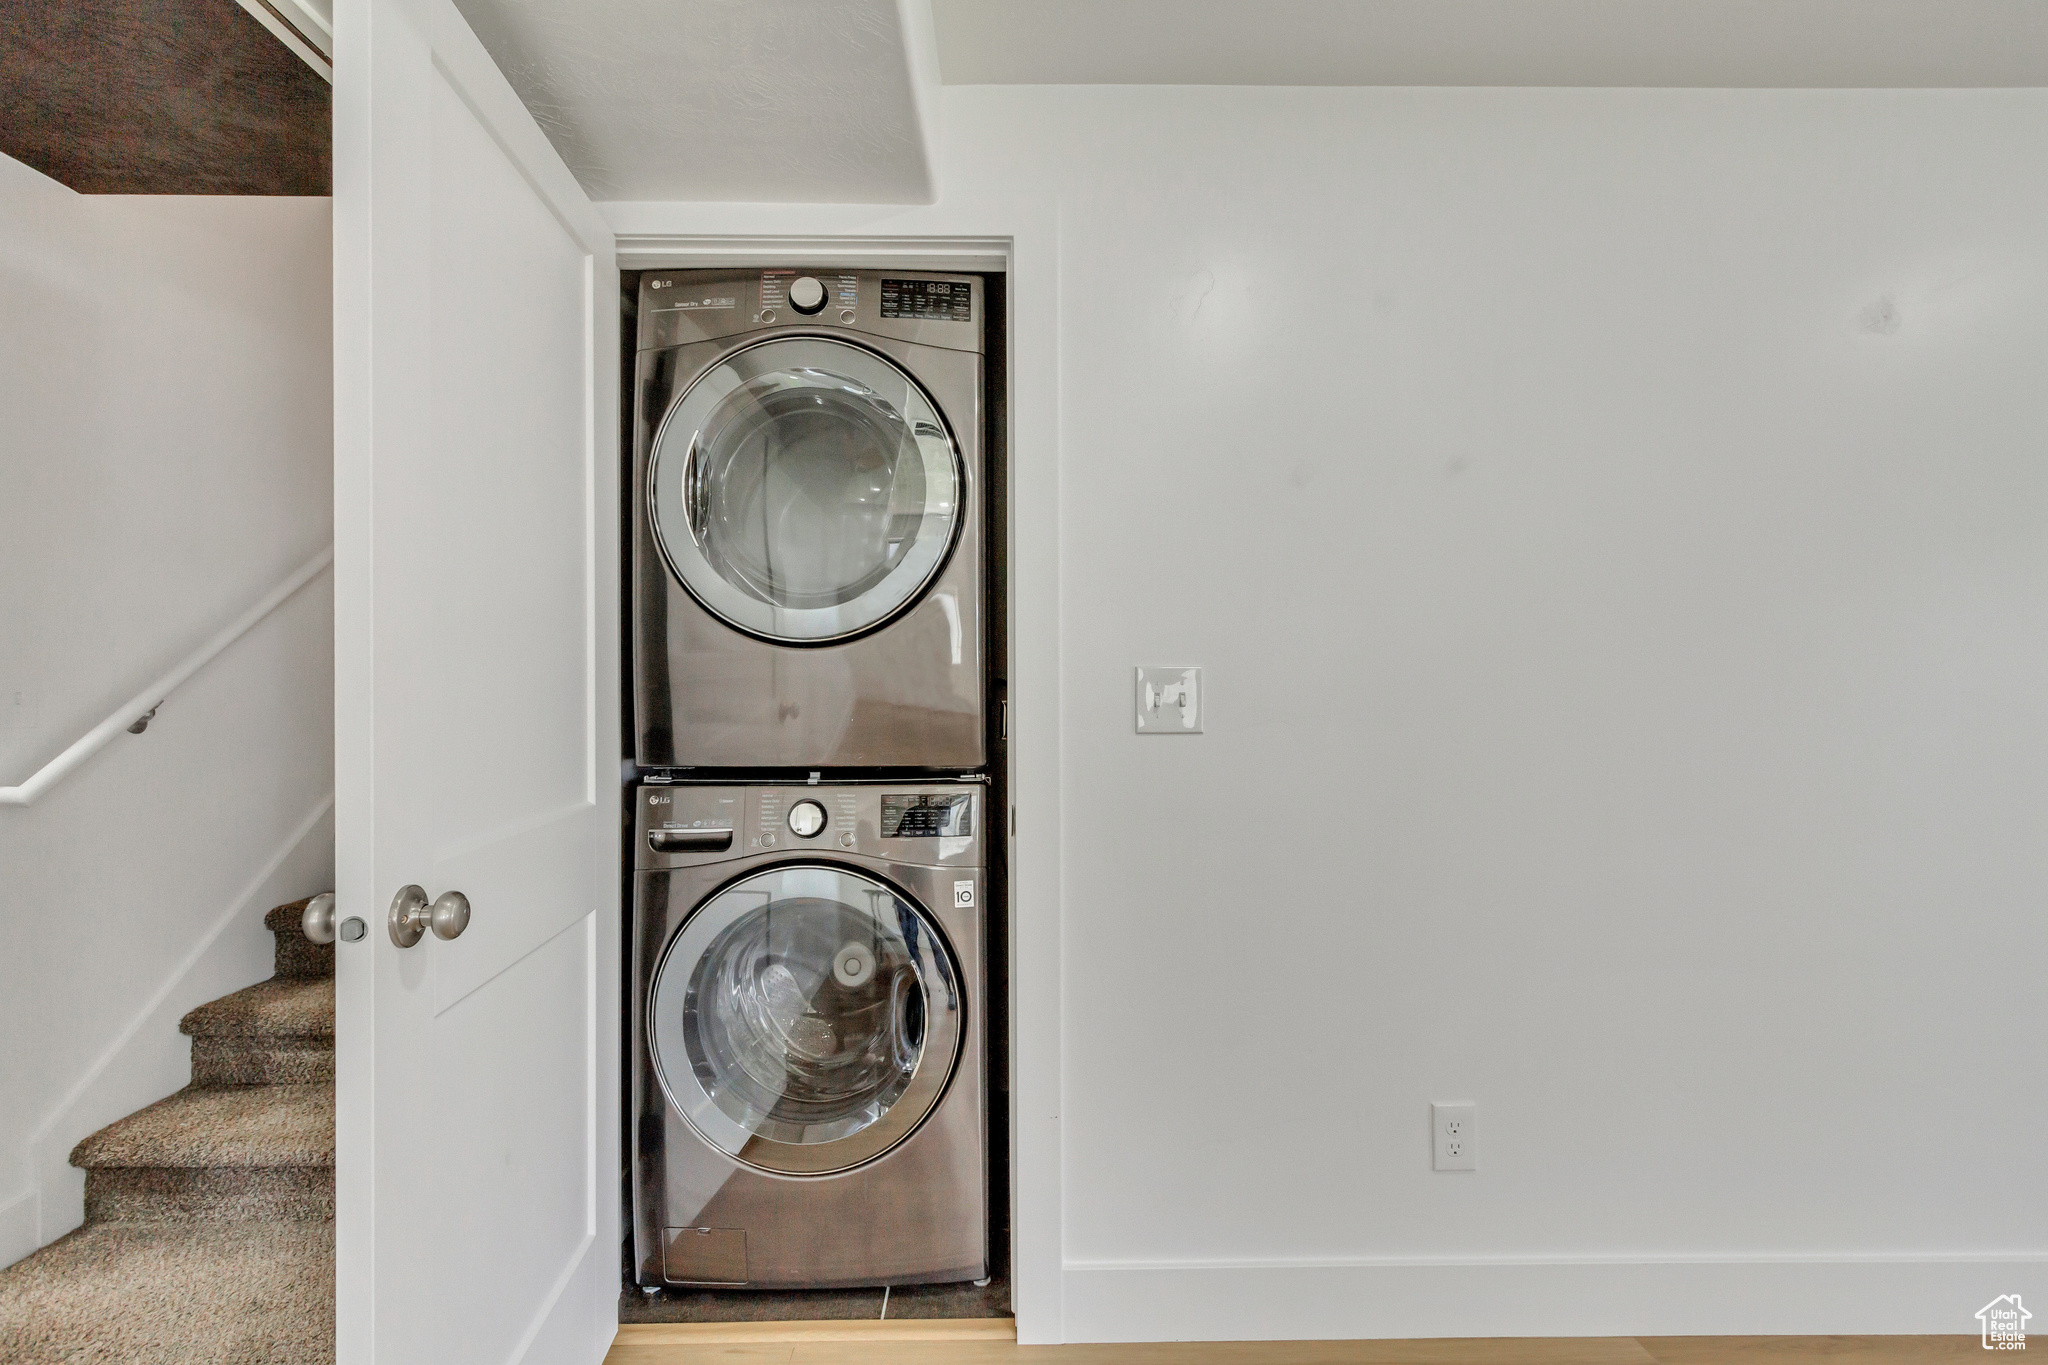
770, 100
1830, 43
836, 100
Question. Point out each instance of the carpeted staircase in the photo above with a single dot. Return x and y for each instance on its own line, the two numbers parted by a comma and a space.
209, 1216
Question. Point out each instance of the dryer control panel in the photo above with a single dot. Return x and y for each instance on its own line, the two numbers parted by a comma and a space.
678, 307
930, 824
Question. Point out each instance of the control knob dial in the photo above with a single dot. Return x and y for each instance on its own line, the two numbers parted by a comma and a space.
806, 295
806, 819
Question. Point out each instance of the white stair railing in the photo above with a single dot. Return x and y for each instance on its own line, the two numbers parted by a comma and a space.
144, 703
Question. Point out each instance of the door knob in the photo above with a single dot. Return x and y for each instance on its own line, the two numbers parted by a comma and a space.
318, 921
412, 915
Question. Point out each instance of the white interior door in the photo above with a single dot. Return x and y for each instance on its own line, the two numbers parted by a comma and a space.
476, 711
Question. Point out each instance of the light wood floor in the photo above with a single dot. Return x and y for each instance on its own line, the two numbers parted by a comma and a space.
994, 1342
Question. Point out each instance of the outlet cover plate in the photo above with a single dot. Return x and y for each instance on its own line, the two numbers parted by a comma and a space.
1454, 1136
1168, 700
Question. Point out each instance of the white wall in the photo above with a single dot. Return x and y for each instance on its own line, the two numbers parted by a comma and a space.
1611, 527
165, 450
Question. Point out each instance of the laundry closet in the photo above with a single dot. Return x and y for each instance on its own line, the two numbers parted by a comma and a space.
817, 916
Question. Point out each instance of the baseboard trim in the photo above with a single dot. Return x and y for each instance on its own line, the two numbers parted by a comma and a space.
858, 1329
20, 1217
1706, 1297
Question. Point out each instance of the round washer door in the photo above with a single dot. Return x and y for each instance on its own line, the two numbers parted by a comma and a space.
805, 1019
805, 490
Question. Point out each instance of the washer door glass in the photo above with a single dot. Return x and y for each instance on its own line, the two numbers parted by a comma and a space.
805, 490
805, 1019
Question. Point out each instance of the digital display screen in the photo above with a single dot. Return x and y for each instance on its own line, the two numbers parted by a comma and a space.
928, 817
943, 300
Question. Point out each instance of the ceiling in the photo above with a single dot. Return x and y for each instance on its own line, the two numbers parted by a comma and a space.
1740, 43
837, 100
769, 100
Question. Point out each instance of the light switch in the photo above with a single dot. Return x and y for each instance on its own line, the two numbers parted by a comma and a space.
1169, 700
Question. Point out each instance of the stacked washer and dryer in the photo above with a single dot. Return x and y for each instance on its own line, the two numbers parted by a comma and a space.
810, 843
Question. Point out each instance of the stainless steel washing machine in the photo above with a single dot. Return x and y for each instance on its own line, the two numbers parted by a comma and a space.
807, 543
807, 1035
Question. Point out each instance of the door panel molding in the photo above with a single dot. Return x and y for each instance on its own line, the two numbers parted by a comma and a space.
491, 947
456, 50
576, 1259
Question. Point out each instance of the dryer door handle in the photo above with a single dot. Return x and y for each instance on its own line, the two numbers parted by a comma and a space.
689, 840
693, 491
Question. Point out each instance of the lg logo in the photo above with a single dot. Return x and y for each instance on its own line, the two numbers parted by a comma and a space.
657, 800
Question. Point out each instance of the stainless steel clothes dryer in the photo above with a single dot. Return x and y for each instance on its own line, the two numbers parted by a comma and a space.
807, 545
807, 1035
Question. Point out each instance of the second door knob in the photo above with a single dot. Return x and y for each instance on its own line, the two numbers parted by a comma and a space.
412, 915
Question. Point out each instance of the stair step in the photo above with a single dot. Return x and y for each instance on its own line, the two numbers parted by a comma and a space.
244, 1127
282, 1007
155, 1294
209, 1194
231, 1060
297, 955
237, 1154
276, 1032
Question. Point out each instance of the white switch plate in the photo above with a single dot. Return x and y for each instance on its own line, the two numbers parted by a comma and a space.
1168, 700
1454, 1133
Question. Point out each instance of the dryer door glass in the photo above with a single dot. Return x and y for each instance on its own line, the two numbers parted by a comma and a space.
805, 1019
805, 490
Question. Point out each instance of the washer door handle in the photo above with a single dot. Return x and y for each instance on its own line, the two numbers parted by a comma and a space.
412, 915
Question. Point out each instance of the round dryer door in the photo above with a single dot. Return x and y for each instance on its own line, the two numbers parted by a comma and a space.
805, 1019
805, 490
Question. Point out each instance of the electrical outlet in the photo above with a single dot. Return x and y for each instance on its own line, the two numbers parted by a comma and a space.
1454, 1130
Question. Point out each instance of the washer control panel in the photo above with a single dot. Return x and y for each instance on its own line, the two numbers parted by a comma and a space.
926, 823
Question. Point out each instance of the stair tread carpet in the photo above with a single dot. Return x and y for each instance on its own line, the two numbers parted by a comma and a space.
284, 1006
258, 1293
248, 1126
209, 1233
